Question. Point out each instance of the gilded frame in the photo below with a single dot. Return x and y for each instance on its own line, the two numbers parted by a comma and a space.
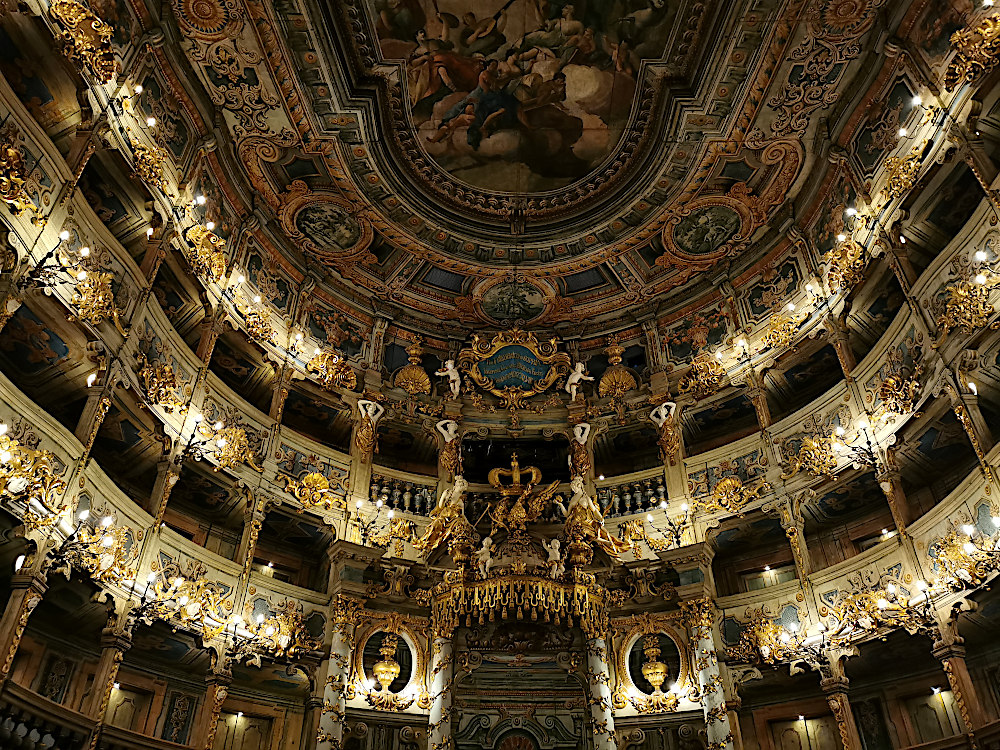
546, 352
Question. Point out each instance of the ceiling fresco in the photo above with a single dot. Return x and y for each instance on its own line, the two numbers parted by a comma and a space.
521, 96
493, 163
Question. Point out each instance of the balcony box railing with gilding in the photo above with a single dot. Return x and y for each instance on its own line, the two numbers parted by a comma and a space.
402, 492
628, 494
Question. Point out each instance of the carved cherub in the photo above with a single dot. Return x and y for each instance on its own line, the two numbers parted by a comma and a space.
484, 557
556, 566
575, 378
454, 379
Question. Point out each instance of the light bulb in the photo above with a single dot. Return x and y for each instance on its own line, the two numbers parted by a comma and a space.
890, 588
138, 88
839, 431
718, 355
209, 225
378, 503
980, 255
809, 288
793, 626
64, 235
256, 298
239, 714
84, 251
663, 504
741, 343
217, 426
200, 200
107, 541
968, 529
151, 121
240, 279
5, 456
684, 507
973, 388
980, 278
84, 515
260, 619
600, 477
935, 690
316, 351
149, 232
921, 585
150, 578
91, 379
3, 428
882, 603
221, 442
298, 336
968, 548
358, 505
996, 521
767, 568
790, 306
885, 532
82, 276
841, 237
392, 513
851, 211
18, 563
270, 565
197, 418
916, 101
864, 424
902, 132
649, 517
902, 240
106, 521
117, 685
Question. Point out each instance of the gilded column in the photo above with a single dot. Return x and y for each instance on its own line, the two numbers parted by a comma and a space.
442, 678
167, 474
840, 707
27, 590
700, 617
970, 708
254, 514
334, 710
599, 685
116, 639
892, 488
207, 721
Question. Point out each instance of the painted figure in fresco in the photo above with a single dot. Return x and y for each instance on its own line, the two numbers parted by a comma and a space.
454, 379
329, 226
575, 378
399, 19
523, 95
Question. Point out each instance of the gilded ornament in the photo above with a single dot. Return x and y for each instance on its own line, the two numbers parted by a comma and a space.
967, 306
30, 476
447, 519
412, 377
283, 635
901, 173
898, 392
514, 365
731, 496
105, 553
763, 640
313, 491
233, 448
782, 329
85, 38
518, 503
977, 53
617, 380
160, 383
845, 265
333, 371
965, 561
209, 257
258, 320
815, 455
704, 377
95, 299
149, 161
13, 173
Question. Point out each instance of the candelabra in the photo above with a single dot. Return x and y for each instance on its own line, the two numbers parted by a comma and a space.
672, 530
373, 529
865, 454
102, 551
229, 446
967, 558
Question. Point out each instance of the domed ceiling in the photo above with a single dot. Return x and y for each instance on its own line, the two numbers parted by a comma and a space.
575, 166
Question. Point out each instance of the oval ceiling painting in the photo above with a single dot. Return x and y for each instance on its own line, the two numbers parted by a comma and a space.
521, 96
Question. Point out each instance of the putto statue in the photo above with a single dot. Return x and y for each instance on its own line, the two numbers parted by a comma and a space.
556, 565
575, 378
454, 379
484, 557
